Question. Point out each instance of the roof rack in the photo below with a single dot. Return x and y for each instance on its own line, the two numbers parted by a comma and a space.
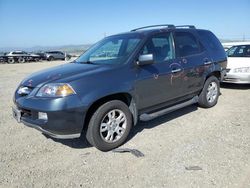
171, 26
186, 26
162, 25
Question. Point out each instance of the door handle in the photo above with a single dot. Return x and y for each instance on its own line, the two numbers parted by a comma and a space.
176, 70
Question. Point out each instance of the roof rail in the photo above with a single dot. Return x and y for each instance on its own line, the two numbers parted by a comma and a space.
162, 25
186, 26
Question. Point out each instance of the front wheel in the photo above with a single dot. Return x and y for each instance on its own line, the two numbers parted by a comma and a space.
109, 126
11, 60
51, 58
210, 92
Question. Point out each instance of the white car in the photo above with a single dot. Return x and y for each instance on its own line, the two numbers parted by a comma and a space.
238, 64
21, 57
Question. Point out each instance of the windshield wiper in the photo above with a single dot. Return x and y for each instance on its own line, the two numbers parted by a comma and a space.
85, 62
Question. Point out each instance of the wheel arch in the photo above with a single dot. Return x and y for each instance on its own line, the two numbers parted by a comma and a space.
127, 98
217, 74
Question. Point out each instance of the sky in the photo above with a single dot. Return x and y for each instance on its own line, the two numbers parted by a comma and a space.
28, 23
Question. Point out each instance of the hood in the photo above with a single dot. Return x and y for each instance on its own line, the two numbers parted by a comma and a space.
237, 62
60, 72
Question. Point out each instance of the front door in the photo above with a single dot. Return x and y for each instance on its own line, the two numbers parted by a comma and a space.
158, 83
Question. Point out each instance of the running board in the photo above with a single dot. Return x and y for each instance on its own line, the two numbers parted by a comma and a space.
147, 117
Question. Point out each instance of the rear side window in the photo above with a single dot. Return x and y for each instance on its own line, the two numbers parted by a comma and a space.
210, 39
186, 44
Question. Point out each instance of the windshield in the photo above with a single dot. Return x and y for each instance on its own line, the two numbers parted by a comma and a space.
111, 50
239, 51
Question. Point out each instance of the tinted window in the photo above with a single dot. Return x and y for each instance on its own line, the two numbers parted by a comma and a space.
18, 53
210, 39
186, 44
239, 51
160, 46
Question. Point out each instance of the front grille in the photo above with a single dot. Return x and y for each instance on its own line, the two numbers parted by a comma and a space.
231, 79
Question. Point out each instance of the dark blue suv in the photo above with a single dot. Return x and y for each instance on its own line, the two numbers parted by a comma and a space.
137, 75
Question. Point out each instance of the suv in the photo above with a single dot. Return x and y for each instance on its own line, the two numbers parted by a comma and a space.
138, 75
55, 55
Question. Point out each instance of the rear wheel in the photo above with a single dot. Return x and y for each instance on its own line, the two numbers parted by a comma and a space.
109, 126
21, 60
210, 93
67, 58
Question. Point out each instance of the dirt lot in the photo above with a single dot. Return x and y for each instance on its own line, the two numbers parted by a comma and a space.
214, 142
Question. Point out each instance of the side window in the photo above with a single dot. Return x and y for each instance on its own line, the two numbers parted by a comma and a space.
211, 40
247, 51
160, 46
239, 51
186, 44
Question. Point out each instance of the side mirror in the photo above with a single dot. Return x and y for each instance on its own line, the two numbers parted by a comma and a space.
146, 59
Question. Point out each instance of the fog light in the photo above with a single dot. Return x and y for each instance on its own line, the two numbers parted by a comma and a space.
43, 116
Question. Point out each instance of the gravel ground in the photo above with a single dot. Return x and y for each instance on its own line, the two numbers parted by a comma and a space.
192, 147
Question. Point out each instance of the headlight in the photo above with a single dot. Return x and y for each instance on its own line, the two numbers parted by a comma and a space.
242, 70
55, 90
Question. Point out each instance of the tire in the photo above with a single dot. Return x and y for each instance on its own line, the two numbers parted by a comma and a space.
210, 93
21, 60
11, 60
50, 58
104, 125
67, 58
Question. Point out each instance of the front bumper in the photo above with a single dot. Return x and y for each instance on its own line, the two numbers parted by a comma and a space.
239, 78
65, 115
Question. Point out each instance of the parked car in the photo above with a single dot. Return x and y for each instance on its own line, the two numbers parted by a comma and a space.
21, 57
238, 67
42, 55
152, 71
3, 58
56, 55
228, 45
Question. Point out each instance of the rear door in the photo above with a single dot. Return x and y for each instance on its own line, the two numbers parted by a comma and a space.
193, 58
